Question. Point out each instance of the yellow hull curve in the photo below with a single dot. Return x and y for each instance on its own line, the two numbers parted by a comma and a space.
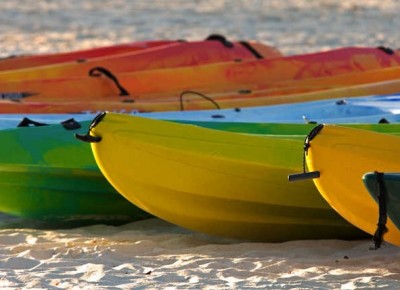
215, 182
343, 155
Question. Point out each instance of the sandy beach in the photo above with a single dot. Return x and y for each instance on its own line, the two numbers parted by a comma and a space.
153, 254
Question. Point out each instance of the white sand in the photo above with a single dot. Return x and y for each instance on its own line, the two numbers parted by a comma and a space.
153, 254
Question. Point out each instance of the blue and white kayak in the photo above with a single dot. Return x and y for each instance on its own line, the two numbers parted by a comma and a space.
370, 109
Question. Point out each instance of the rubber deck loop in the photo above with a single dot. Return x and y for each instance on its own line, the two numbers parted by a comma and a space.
197, 94
98, 71
26, 122
71, 124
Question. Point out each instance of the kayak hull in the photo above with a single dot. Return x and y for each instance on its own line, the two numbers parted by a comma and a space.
214, 182
391, 182
343, 155
47, 174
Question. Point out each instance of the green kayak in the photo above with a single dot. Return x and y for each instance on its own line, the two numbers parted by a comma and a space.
384, 187
47, 174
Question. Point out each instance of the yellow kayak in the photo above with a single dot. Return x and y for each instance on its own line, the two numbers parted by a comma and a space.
341, 156
215, 182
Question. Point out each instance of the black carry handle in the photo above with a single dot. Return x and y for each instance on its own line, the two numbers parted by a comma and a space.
312, 174
220, 38
98, 70
304, 176
87, 137
197, 94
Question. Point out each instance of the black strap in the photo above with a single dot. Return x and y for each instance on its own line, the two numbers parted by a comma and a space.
251, 49
381, 226
386, 50
98, 71
312, 174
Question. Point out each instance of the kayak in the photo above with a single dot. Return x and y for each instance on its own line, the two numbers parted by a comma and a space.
270, 76
369, 109
46, 174
171, 55
34, 60
366, 109
17, 103
209, 78
337, 158
384, 188
215, 182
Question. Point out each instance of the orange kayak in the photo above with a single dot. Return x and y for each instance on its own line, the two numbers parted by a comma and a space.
190, 100
165, 56
29, 61
278, 76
